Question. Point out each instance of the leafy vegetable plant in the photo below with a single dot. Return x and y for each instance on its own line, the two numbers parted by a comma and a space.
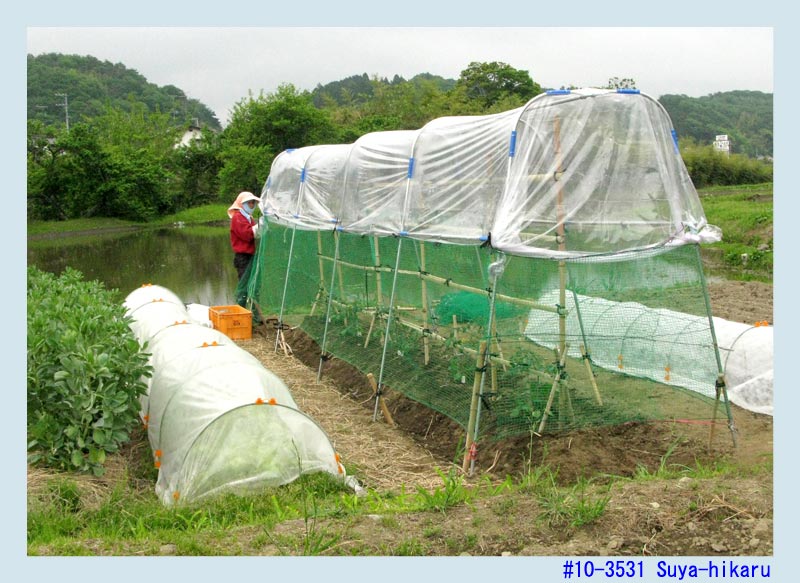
86, 372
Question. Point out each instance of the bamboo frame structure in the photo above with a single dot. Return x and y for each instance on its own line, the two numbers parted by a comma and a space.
489, 352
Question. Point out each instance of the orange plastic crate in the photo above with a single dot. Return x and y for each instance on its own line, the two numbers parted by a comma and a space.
235, 322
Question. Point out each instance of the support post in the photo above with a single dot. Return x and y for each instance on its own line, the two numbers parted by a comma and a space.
556, 382
721, 386
474, 404
587, 359
330, 303
388, 328
278, 336
425, 340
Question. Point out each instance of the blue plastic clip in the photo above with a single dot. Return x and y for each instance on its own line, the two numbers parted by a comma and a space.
512, 147
340, 229
403, 233
675, 140
410, 167
289, 150
558, 92
296, 216
630, 91
483, 238
303, 174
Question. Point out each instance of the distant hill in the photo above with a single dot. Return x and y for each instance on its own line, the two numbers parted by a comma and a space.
358, 89
746, 116
91, 85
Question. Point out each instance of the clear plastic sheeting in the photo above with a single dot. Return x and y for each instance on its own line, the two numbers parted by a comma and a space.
570, 174
217, 420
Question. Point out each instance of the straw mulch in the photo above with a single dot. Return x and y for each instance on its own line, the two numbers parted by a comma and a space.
380, 456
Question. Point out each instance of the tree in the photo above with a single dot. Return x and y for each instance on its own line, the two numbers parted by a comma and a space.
617, 83
280, 120
487, 83
197, 167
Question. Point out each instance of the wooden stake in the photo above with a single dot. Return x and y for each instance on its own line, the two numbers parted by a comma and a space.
455, 327
384, 407
316, 299
473, 409
556, 381
591, 375
371, 324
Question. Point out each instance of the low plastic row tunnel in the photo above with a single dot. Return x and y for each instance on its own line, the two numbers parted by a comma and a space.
217, 420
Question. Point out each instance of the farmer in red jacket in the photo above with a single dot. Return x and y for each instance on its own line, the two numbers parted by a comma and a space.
243, 231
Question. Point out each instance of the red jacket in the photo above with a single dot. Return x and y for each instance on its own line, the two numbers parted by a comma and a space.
243, 240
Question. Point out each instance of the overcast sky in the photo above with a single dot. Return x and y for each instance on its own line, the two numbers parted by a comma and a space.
220, 65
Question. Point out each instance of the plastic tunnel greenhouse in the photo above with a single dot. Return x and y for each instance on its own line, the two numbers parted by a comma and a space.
513, 272
216, 419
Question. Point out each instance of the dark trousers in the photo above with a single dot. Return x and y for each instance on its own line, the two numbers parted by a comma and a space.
241, 261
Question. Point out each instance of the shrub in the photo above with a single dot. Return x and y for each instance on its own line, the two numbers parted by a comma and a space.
85, 372
709, 167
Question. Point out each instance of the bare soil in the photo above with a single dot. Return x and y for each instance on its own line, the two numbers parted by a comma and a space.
725, 514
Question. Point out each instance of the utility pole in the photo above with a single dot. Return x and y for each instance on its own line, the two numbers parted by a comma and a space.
65, 105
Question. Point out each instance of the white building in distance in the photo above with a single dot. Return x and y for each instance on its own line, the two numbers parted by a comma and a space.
723, 144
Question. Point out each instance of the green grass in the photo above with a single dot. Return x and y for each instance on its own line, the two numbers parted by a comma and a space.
198, 215
745, 215
315, 514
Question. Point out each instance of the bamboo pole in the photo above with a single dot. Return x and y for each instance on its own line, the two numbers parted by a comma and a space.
562, 268
321, 273
473, 409
465, 349
490, 325
424, 285
455, 328
562, 246
319, 258
452, 284
371, 325
378, 285
587, 360
388, 328
556, 382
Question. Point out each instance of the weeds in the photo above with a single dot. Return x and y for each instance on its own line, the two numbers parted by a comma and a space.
452, 493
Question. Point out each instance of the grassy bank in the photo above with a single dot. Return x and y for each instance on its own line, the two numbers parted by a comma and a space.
198, 215
745, 215
317, 515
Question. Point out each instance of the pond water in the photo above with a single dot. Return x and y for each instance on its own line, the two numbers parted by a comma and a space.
196, 263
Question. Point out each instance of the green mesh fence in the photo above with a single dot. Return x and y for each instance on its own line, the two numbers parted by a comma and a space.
569, 344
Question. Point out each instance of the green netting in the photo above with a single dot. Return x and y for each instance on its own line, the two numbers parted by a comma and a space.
635, 333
